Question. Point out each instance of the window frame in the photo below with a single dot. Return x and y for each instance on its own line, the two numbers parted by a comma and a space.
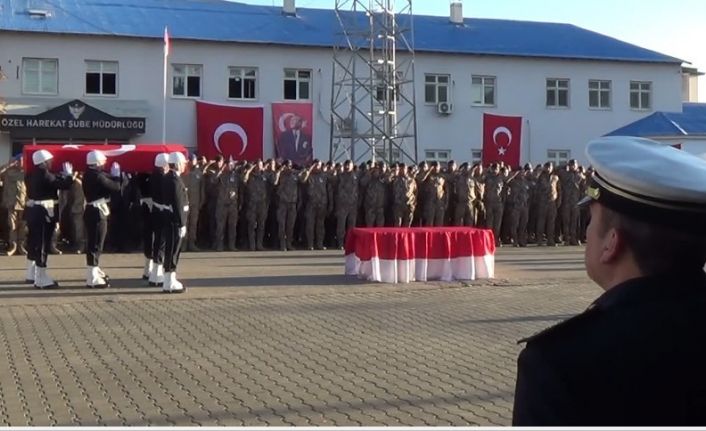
243, 77
476, 159
483, 86
640, 92
600, 90
557, 89
437, 85
298, 80
186, 75
101, 92
557, 160
436, 157
40, 81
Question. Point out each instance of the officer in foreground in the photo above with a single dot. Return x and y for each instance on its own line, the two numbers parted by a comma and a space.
42, 213
97, 187
636, 355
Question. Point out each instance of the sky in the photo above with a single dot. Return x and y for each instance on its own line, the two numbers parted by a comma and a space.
676, 28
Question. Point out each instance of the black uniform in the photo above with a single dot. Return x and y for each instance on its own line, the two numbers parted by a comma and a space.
42, 188
97, 187
158, 216
635, 357
144, 187
175, 197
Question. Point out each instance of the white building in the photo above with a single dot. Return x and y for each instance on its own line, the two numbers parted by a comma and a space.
569, 84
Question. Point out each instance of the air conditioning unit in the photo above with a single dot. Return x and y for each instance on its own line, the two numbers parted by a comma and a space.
444, 108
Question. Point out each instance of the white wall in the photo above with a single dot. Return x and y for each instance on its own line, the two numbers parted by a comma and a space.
520, 89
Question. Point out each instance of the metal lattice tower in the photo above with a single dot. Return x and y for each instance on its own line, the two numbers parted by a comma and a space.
373, 113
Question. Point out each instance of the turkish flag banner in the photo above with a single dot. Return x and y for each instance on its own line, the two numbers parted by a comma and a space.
232, 131
502, 139
131, 158
293, 132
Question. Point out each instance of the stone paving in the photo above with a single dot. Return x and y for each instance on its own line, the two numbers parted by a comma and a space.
274, 338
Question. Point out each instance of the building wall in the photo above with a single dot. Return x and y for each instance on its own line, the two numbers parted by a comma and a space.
520, 89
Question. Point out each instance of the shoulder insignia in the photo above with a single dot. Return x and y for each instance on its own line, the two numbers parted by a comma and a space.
563, 324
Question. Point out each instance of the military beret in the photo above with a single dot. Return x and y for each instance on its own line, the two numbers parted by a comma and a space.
648, 181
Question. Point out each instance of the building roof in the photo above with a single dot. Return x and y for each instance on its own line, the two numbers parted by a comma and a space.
219, 20
690, 122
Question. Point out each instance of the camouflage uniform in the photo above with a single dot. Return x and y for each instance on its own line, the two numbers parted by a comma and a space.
346, 195
228, 205
257, 205
14, 195
434, 209
572, 191
210, 178
195, 188
317, 206
375, 192
548, 200
518, 203
287, 197
494, 202
404, 200
466, 194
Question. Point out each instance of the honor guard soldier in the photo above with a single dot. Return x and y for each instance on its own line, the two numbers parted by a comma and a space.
636, 355
161, 164
176, 202
144, 190
97, 187
42, 214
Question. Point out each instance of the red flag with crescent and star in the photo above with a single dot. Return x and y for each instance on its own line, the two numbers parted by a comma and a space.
232, 131
502, 139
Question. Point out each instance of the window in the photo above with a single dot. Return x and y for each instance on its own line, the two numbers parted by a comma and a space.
436, 88
297, 84
40, 76
558, 93
242, 83
483, 90
640, 94
476, 156
437, 155
102, 78
598, 94
186, 80
558, 157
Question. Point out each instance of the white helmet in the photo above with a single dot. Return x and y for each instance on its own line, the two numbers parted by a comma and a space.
41, 156
161, 160
96, 157
176, 158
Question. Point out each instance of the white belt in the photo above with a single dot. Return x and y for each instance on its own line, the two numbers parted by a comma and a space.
48, 203
147, 201
101, 205
98, 202
163, 207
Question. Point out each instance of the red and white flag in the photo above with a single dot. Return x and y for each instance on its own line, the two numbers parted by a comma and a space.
132, 158
502, 139
420, 254
232, 131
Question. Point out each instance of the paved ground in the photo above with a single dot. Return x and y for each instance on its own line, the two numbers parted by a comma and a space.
274, 339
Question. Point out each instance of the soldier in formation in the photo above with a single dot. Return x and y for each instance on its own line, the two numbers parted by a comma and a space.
314, 207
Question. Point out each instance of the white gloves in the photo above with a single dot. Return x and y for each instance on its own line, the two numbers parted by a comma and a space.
115, 170
68, 169
182, 232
